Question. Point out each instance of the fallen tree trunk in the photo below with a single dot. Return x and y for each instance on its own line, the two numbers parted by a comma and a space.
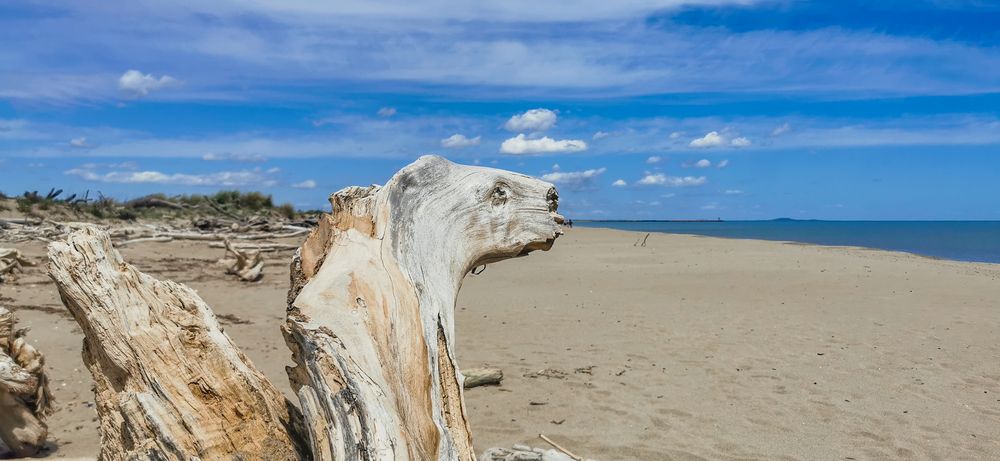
169, 383
248, 265
24, 392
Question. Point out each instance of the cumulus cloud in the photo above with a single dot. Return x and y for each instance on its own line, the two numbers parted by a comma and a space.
534, 121
459, 140
231, 157
241, 178
703, 163
601, 134
307, 184
139, 84
781, 129
619, 183
386, 111
654, 159
660, 179
79, 143
740, 142
722, 164
712, 139
575, 180
521, 144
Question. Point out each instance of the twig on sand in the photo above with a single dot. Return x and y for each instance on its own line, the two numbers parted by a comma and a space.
560, 448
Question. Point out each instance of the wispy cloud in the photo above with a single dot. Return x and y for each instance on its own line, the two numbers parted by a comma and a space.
231, 157
307, 184
243, 178
459, 140
521, 144
386, 112
575, 180
654, 159
660, 179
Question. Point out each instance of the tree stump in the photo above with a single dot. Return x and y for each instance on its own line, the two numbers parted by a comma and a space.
370, 324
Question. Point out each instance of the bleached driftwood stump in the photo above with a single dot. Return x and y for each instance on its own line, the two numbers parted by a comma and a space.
372, 304
370, 324
24, 392
169, 383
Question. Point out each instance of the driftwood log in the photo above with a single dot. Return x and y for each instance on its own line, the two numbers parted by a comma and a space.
24, 392
12, 262
486, 376
370, 325
246, 264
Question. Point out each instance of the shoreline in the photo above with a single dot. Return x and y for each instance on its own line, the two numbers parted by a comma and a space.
792, 242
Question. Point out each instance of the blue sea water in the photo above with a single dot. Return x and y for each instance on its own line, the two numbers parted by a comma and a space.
957, 240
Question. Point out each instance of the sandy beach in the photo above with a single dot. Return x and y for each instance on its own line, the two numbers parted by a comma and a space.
688, 348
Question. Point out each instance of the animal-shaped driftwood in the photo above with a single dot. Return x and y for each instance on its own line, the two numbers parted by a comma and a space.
24, 392
370, 324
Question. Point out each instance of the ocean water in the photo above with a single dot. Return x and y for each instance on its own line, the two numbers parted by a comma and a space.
957, 240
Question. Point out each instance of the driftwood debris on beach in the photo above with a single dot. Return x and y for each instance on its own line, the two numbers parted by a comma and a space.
12, 262
370, 324
24, 392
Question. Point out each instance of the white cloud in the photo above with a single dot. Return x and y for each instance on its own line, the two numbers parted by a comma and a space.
139, 84
654, 159
660, 179
386, 112
231, 157
712, 139
459, 140
619, 183
79, 143
703, 163
740, 142
241, 178
555, 167
307, 184
722, 164
601, 134
676, 134
781, 129
733, 192
520, 144
710, 206
575, 180
534, 121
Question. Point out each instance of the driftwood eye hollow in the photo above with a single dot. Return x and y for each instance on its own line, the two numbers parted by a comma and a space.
370, 323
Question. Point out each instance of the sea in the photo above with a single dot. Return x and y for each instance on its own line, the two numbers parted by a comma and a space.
977, 241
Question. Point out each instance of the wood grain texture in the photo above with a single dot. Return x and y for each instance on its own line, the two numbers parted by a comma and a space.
24, 392
169, 383
372, 301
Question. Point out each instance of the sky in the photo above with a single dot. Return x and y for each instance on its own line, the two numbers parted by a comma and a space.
635, 109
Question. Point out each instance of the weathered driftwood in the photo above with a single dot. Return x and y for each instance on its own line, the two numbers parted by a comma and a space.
263, 247
485, 376
24, 392
12, 262
371, 313
370, 324
248, 265
169, 383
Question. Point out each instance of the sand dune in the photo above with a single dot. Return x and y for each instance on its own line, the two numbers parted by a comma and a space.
690, 348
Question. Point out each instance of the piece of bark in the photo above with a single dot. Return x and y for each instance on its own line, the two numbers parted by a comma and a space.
169, 383
372, 301
485, 376
24, 392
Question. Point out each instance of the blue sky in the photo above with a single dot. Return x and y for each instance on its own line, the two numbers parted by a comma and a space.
636, 109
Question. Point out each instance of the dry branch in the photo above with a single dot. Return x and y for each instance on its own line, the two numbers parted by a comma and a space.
24, 392
169, 383
245, 264
12, 262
